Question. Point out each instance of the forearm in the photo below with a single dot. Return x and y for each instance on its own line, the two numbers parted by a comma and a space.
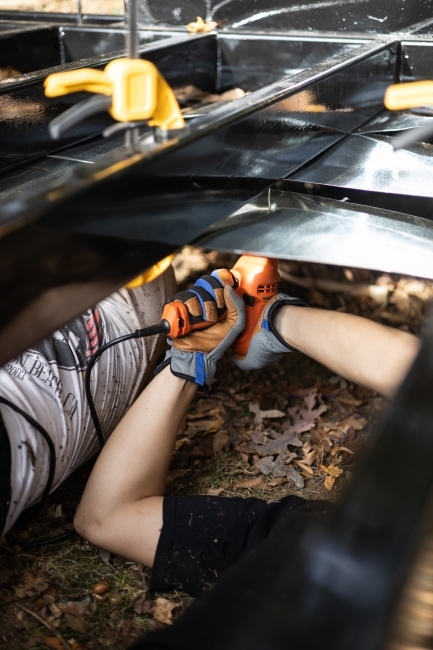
135, 460
358, 349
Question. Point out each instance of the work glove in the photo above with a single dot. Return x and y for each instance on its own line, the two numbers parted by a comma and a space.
266, 344
211, 299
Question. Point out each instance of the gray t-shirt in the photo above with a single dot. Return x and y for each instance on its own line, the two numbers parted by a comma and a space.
47, 382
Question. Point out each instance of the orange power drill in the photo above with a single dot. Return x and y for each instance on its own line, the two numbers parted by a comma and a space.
256, 282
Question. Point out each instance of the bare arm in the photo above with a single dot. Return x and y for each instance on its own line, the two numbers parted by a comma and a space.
358, 349
121, 509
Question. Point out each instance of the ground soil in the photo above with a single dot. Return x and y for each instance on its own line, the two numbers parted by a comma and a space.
75, 594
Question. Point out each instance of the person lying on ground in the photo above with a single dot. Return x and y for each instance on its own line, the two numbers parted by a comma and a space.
47, 382
188, 541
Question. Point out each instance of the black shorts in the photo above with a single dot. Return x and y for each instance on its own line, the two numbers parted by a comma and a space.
202, 536
263, 542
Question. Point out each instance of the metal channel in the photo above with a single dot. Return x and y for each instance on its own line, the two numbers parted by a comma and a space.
159, 199
288, 225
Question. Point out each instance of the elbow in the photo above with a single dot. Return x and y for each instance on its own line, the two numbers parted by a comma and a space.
89, 527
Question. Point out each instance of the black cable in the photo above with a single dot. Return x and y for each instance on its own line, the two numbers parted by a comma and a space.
89, 369
51, 449
51, 474
50, 540
162, 327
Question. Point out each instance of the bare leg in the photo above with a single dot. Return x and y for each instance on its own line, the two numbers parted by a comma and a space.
358, 349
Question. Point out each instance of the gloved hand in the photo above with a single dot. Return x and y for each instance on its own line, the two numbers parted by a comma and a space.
266, 344
194, 356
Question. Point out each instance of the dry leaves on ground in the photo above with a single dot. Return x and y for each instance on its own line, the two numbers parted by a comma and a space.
263, 433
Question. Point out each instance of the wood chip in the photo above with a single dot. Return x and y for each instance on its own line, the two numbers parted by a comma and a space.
162, 610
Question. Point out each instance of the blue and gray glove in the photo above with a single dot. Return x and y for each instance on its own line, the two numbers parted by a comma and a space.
195, 355
266, 344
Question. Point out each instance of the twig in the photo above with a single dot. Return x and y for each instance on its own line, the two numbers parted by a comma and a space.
46, 624
143, 579
327, 285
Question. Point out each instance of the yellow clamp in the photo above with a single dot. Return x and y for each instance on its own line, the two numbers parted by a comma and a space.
138, 91
150, 274
409, 95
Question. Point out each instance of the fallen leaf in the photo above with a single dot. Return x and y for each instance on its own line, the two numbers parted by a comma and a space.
244, 448
329, 482
55, 610
344, 397
357, 423
331, 470
101, 588
73, 608
260, 415
215, 493
75, 623
337, 450
252, 483
220, 440
277, 443
266, 465
143, 604
274, 482
305, 467
162, 610
295, 476
175, 474
310, 454
6, 575
304, 418
204, 425
54, 643
105, 555
204, 412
